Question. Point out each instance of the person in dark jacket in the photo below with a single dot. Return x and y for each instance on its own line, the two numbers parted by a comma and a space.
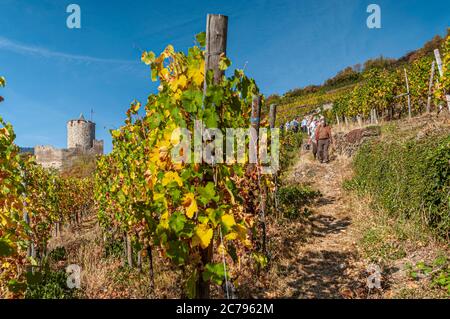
323, 138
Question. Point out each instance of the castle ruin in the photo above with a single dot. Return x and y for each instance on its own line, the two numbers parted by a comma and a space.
80, 142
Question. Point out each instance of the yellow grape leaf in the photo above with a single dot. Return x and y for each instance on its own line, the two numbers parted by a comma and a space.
164, 74
231, 236
171, 177
190, 204
243, 235
203, 235
197, 74
164, 221
115, 133
221, 249
178, 83
169, 49
148, 57
177, 95
4, 221
158, 196
228, 221
135, 107
178, 166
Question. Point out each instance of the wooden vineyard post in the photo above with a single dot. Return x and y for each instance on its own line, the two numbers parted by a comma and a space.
139, 260
216, 45
129, 251
359, 119
430, 86
272, 120
441, 73
272, 115
30, 248
151, 272
255, 121
408, 93
373, 117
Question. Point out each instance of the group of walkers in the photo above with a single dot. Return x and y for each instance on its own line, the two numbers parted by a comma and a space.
319, 133
291, 125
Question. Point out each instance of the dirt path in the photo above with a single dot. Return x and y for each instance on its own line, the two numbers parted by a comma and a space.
326, 264
328, 260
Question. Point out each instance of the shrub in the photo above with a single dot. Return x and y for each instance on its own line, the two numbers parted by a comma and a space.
409, 179
57, 254
290, 147
48, 285
293, 198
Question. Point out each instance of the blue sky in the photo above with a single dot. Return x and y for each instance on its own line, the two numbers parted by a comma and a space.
54, 73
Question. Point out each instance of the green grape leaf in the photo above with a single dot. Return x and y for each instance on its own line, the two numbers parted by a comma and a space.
191, 284
5, 248
192, 100
224, 63
178, 252
214, 272
207, 193
176, 222
201, 39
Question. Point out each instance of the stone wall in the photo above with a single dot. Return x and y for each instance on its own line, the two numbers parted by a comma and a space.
348, 144
50, 157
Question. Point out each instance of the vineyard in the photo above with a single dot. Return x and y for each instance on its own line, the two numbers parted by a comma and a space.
381, 87
210, 223
36, 204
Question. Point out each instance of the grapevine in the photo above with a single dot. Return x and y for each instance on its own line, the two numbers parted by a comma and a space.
177, 207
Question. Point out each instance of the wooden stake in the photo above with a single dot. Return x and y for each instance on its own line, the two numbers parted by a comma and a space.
409, 95
441, 73
272, 120
216, 45
437, 55
255, 121
430, 86
151, 272
272, 115
129, 251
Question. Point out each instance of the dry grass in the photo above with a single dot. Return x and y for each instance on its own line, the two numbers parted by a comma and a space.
105, 277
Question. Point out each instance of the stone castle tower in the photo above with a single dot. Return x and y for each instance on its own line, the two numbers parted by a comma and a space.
80, 133
80, 142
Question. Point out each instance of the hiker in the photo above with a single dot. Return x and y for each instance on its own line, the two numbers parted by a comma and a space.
313, 141
294, 125
286, 126
323, 139
303, 125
